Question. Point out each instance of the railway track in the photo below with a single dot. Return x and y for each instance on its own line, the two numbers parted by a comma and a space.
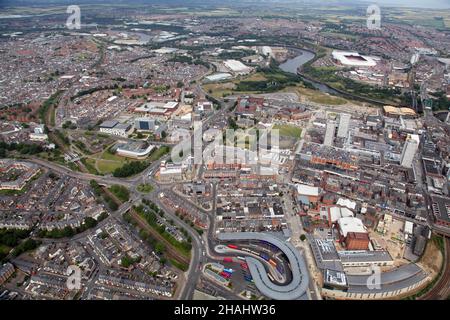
441, 289
171, 252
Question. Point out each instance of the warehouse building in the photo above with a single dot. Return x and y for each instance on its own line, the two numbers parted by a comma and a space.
350, 224
307, 194
115, 128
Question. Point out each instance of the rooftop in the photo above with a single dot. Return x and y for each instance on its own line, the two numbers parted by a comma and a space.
350, 224
300, 276
109, 124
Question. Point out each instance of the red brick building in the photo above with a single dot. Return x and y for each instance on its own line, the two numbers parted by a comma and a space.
357, 241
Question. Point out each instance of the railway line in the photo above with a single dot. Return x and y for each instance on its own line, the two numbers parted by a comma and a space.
441, 289
171, 252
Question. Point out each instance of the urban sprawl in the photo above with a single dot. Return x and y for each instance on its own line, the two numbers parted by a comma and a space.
101, 171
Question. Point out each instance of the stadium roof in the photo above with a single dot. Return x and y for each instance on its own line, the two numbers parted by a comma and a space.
353, 59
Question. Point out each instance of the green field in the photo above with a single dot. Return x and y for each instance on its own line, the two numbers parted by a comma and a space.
237, 86
316, 96
108, 166
90, 165
105, 162
156, 155
4, 250
288, 130
109, 156
145, 188
120, 192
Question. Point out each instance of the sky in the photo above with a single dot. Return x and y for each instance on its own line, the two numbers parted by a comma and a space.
434, 4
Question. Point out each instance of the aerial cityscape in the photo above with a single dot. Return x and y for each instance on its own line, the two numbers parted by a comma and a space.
224, 150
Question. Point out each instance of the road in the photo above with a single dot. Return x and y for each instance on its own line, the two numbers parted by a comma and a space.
192, 275
296, 228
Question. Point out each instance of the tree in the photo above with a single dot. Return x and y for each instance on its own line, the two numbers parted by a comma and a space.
66, 124
126, 261
232, 123
122, 193
302, 237
29, 244
68, 231
160, 248
130, 169
89, 222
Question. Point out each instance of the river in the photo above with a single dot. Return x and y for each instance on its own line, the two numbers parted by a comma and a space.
293, 64
303, 57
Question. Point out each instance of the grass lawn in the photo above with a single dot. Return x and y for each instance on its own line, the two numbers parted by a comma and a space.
288, 131
221, 89
120, 192
108, 162
181, 266
258, 76
4, 249
156, 155
145, 188
109, 156
90, 165
317, 96
218, 90
13, 192
108, 166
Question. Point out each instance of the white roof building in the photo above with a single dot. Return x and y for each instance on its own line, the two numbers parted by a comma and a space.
350, 224
306, 190
134, 151
158, 107
409, 227
237, 66
219, 76
337, 213
346, 203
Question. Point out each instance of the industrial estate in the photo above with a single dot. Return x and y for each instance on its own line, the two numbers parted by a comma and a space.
224, 151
